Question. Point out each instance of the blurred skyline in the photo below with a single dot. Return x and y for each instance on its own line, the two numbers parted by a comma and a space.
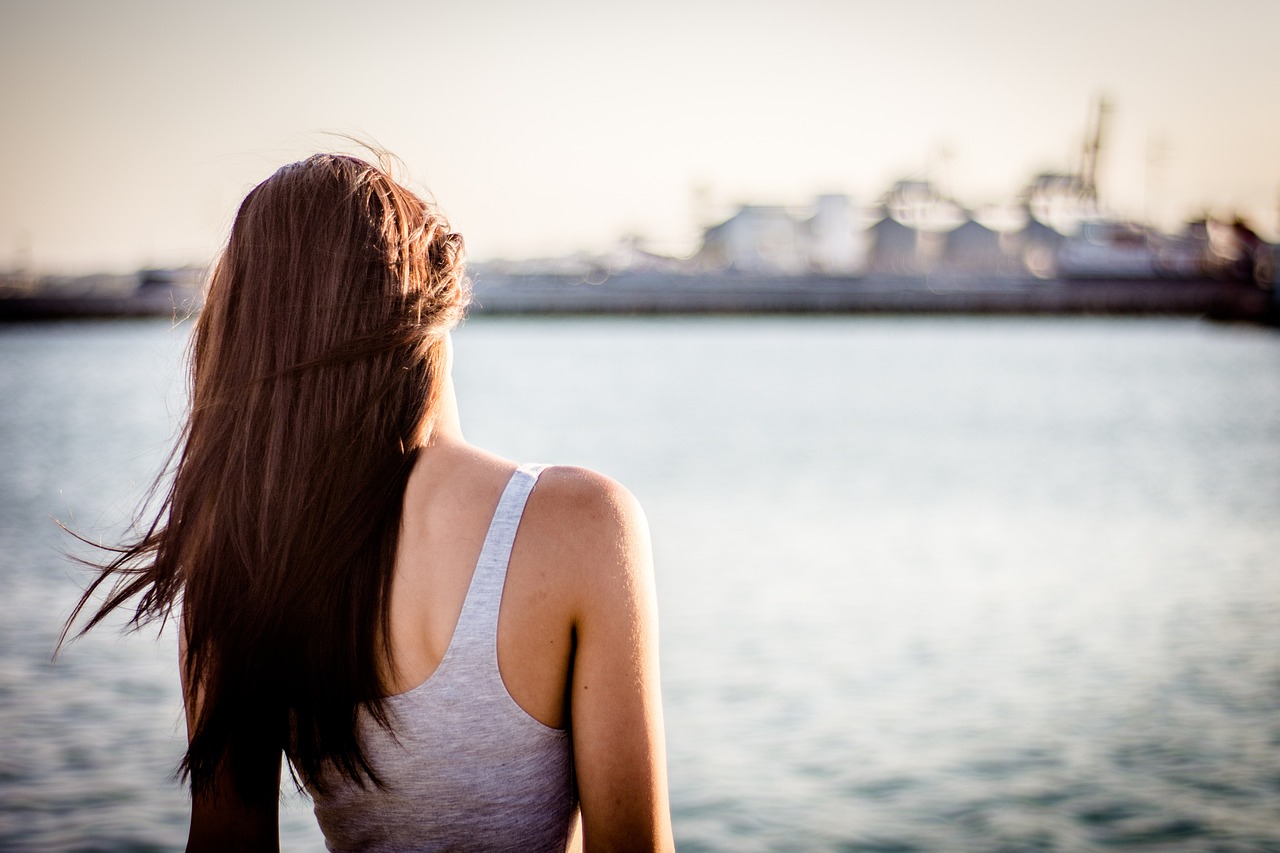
133, 129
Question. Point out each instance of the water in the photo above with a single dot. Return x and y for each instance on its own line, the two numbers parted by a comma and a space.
925, 584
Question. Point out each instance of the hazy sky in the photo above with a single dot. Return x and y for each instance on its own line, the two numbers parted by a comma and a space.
132, 129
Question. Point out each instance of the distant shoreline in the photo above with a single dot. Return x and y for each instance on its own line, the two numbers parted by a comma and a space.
733, 293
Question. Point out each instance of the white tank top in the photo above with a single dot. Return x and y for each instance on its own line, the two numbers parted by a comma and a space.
466, 768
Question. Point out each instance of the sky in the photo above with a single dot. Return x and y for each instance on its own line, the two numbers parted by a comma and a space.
132, 129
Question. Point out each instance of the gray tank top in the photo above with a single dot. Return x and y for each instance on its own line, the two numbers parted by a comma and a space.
466, 767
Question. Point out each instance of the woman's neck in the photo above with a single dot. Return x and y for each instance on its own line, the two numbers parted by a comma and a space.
446, 426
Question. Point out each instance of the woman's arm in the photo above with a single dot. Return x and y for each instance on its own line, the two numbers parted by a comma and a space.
615, 700
222, 819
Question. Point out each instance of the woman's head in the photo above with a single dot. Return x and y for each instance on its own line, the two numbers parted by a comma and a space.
331, 262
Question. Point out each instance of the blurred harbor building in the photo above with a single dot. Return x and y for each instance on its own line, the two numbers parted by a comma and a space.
1054, 230
775, 239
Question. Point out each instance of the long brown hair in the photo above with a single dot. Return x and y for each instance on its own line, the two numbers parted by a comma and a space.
314, 366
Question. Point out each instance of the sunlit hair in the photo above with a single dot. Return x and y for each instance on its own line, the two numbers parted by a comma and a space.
315, 367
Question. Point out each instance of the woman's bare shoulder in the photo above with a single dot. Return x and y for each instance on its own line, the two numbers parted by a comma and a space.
574, 491
590, 530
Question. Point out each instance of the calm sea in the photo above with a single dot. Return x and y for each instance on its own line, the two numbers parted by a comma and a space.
925, 584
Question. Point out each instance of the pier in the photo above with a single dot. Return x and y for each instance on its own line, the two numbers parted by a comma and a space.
726, 293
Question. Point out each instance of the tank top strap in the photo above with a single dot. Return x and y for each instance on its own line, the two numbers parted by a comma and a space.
477, 631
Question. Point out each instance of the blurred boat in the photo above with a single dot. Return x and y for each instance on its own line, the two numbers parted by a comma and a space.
1107, 249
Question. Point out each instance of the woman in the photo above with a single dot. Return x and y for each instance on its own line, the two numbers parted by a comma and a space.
452, 651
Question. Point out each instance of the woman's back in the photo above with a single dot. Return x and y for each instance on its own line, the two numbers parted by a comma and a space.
463, 766
450, 501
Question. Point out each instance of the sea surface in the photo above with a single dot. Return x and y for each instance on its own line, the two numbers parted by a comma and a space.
926, 584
